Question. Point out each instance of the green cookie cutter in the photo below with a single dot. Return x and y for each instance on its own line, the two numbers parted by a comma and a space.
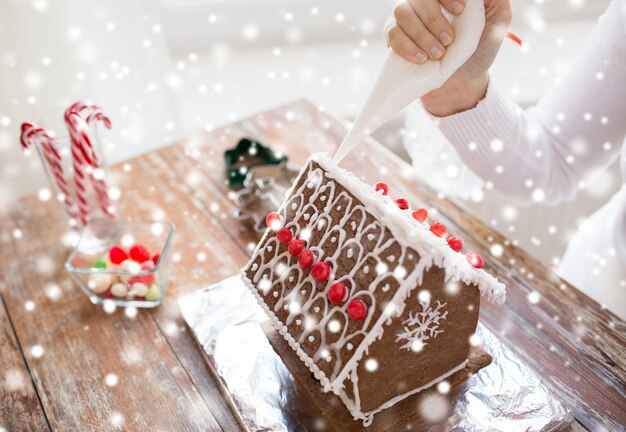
248, 154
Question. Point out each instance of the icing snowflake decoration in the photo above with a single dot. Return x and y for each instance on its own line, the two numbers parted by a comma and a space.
422, 326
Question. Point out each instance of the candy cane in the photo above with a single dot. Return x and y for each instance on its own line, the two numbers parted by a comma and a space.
99, 184
33, 134
82, 144
80, 159
96, 114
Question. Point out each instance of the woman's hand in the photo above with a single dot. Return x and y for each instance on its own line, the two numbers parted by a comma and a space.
421, 32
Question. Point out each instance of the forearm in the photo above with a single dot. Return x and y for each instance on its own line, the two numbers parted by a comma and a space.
500, 142
574, 132
540, 155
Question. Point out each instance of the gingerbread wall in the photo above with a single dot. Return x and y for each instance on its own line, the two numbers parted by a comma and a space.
399, 370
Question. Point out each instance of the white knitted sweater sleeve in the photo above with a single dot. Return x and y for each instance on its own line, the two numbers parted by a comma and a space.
546, 152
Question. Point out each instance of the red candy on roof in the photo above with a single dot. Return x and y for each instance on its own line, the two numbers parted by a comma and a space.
272, 220
438, 229
357, 310
296, 247
306, 258
456, 244
320, 272
382, 187
420, 214
284, 235
475, 260
337, 293
402, 204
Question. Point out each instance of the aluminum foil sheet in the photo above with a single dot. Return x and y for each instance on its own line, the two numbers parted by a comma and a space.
505, 396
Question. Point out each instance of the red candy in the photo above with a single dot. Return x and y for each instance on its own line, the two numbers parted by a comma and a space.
117, 255
475, 260
107, 294
456, 244
295, 247
382, 187
357, 310
155, 258
272, 220
139, 253
337, 293
420, 214
402, 204
284, 235
306, 258
438, 229
147, 279
320, 272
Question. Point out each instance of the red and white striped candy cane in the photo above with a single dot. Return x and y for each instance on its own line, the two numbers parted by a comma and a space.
88, 153
96, 114
80, 161
34, 134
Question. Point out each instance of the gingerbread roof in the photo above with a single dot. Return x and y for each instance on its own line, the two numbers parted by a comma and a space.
378, 251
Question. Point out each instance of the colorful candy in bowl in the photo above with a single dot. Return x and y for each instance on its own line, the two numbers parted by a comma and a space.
124, 263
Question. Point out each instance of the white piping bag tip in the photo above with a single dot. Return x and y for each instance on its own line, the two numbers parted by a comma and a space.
401, 83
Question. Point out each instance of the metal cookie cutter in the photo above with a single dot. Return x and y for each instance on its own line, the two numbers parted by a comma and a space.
246, 155
264, 189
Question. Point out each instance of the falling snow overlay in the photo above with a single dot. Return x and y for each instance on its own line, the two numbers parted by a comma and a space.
174, 71
422, 326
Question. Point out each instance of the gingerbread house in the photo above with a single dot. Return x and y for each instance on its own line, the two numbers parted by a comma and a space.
376, 302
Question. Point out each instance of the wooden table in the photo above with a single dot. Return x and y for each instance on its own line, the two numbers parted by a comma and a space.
58, 351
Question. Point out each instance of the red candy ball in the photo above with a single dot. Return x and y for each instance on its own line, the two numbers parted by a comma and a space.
147, 278
139, 253
456, 244
438, 229
272, 220
306, 258
475, 260
382, 187
295, 247
284, 235
420, 214
117, 255
337, 293
155, 258
357, 310
402, 204
320, 272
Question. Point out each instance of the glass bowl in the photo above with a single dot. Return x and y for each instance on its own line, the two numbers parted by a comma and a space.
123, 263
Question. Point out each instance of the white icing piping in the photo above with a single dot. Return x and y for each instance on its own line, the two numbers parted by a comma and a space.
355, 407
410, 233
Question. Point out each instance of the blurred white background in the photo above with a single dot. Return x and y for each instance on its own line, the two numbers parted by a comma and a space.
163, 69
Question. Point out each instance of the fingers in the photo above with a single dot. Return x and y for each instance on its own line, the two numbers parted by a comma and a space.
430, 14
453, 6
408, 20
404, 46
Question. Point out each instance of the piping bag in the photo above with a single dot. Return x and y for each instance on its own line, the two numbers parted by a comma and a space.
401, 83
